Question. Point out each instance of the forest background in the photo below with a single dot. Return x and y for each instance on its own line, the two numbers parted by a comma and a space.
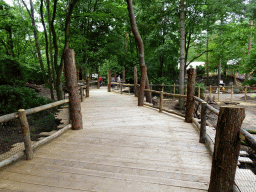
33, 35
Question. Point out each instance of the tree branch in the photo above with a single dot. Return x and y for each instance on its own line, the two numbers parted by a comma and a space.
199, 56
7, 50
27, 9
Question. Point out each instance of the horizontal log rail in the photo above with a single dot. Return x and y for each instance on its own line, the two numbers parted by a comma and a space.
11, 116
165, 93
36, 145
245, 135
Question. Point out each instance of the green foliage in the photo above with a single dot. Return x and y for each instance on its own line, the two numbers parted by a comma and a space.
236, 90
10, 70
14, 98
200, 70
250, 82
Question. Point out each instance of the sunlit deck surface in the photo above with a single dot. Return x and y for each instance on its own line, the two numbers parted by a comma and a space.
122, 147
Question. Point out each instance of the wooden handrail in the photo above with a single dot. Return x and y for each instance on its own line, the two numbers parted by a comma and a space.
251, 140
11, 116
212, 109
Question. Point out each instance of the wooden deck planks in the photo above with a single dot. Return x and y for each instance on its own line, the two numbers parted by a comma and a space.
122, 147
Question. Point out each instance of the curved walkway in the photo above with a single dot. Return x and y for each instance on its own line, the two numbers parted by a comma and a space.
122, 148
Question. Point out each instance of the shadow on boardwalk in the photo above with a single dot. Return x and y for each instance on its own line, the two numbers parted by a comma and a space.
122, 147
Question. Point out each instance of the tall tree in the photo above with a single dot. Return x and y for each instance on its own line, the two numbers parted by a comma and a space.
182, 51
141, 53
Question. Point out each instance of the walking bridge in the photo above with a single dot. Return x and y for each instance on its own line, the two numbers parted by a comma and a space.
122, 147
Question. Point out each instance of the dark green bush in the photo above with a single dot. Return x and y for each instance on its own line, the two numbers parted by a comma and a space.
250, 82
14, 98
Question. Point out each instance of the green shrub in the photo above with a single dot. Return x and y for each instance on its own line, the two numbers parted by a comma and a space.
237, 91
14, 98
250, 82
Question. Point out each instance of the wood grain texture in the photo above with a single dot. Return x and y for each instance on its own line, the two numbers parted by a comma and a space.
122, 148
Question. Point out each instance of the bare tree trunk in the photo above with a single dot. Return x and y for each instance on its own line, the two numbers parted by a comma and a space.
141, 48
46, 50
207, 59
31, 14
190, 95
226, 149
72, 85
50, 42
182, 52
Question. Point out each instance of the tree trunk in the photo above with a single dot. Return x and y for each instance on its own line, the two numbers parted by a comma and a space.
140, 44
46, 50
50, 42
190, 95
31, 14
207, 59
72, 86
182, 52
226, 149
142, 86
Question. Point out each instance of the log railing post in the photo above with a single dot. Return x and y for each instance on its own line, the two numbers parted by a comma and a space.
72, 85
121, 88
203, 123
123, 75
163, 87
190, 95
232, 89
109, 81
98, 81
199, 91
87, 87
81, 92
226, 149
142, 85
210, 92
218, 93
174, 88
245, 94
135, 82
115, 76
26, 134
161, 102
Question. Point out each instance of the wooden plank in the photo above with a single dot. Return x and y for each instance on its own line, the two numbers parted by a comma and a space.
122, 148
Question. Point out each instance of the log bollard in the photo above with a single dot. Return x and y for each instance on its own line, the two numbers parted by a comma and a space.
190, 95
74, 100
203, 123
135, 82
109, 81
161, 102
81, 92
226, 148
26, 133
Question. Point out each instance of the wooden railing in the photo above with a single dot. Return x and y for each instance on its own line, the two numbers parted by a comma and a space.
161, 93
245, 135
22, 115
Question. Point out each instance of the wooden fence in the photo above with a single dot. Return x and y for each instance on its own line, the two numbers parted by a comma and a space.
22, 115
230, 140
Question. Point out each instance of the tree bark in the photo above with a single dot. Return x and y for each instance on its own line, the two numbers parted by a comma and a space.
182, 53
46, 50
226, 149
190, 95
141, 47
31, 14
207, 59
142, 86
72, 86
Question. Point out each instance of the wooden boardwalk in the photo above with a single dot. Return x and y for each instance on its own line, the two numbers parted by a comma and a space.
122, 148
